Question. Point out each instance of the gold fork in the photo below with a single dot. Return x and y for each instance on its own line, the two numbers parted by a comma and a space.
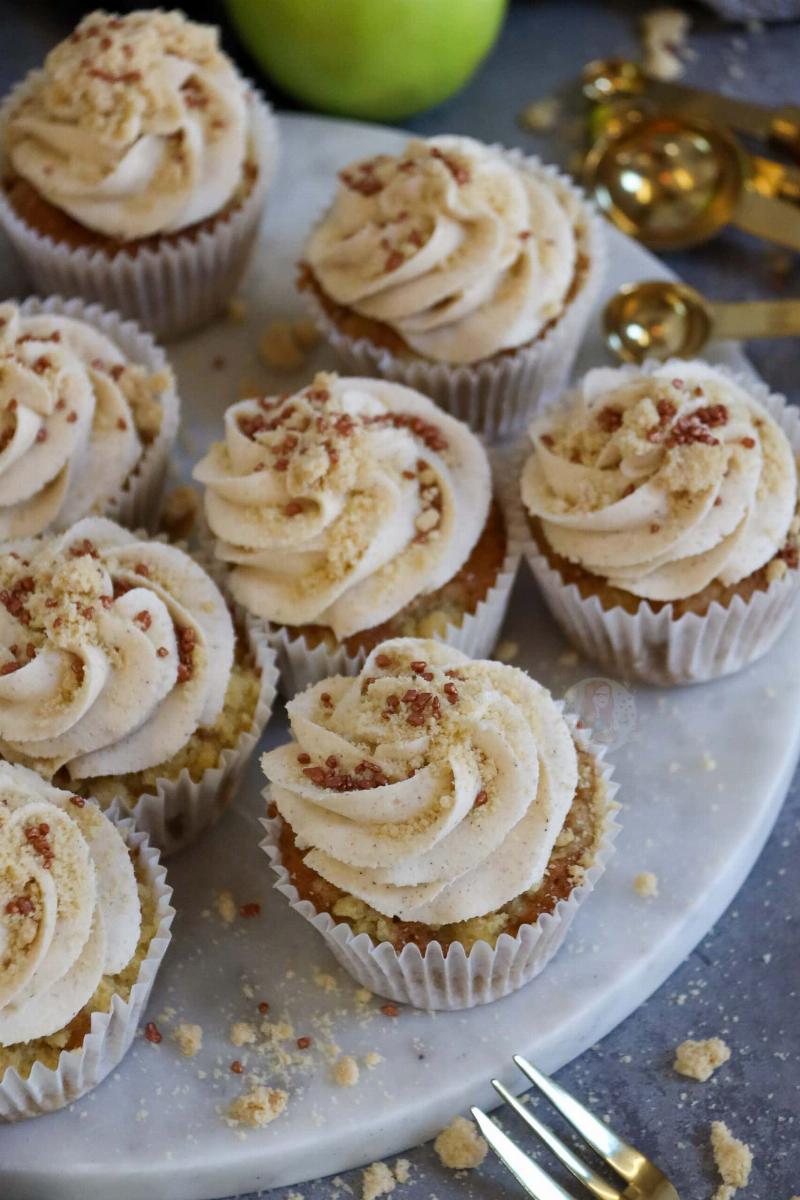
643, 1179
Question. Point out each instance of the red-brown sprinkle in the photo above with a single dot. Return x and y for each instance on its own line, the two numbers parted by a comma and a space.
252, 909
152, 1033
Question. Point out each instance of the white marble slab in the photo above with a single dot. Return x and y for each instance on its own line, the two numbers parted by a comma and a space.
702, 776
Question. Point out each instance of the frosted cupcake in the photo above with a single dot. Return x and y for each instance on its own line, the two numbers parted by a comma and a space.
352, 511
84, 923
88, 414
663, 507
465, 270
136, 163
123, 676
438, 821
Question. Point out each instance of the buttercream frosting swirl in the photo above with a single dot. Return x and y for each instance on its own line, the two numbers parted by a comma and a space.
113, 651
75, 420
463, 251
341, 503
662, 480
69, 908
432, 787
137, 126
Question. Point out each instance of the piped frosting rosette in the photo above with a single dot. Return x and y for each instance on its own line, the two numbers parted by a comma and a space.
432, 787
69, 905
480, 262
670, 482
339, 505
141, 127
88, 413
115, 651
69, 916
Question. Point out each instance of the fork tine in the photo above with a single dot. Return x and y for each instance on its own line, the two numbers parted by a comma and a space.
624, 1158
537, 1183
590, 1179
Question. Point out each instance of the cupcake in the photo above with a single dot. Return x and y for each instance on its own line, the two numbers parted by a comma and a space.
123, 676
663, 508
438, 821
135, 167
467, 271
88, 414
84, 923
352, 511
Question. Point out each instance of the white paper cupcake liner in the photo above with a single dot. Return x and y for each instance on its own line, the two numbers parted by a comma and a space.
78, 1071
177, 287
452, 979
651, 645
181, 809
302, 665
139, 503
497, 397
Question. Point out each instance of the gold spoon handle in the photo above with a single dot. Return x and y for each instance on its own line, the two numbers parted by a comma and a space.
774, 179
756, 319
785, 127
771, 219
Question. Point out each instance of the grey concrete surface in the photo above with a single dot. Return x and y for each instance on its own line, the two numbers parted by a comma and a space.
743, 981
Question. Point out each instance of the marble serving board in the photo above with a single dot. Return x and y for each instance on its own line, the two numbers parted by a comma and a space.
703, 772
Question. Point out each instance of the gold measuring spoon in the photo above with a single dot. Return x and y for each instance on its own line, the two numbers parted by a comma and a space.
662, 318
764, 175
606, 78
673, 182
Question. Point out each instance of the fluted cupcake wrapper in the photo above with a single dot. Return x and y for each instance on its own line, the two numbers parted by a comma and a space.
452, 978
499, 396
78, 1071
181, 809
173, 289
139, 503
302, 664
651, 645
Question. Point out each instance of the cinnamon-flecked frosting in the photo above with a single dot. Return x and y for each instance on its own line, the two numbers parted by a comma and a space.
662, 481
113, 651
137, 125
341, 503
432, 787
75, 420
69, 909
461, 249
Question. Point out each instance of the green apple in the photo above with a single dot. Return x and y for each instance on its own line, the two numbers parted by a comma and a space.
378, 59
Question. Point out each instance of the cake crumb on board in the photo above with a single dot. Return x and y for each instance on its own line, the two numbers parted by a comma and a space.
732, 1156
460, 1146
242, 1033
377, 1180
284, 345
189, 1038
225, 906
646, 884
345, 1071
258, 1107
700, 1059
402, 1170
